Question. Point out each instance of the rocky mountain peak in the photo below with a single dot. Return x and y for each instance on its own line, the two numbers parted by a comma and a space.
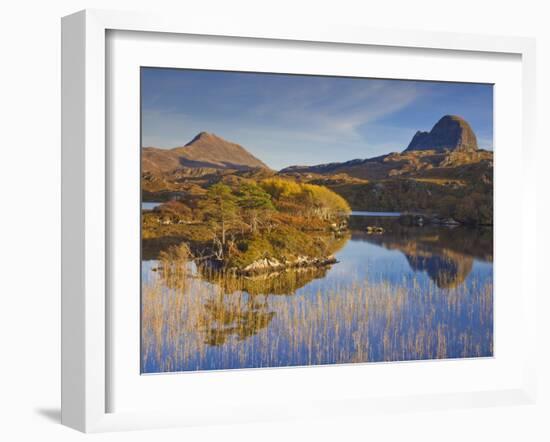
450, 133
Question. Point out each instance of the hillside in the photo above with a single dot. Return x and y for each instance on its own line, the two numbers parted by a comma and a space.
454, 189
419, 164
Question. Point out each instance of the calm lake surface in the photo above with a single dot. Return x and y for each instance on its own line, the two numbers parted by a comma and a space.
405, 294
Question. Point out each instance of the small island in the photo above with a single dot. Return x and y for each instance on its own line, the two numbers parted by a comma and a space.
246, 226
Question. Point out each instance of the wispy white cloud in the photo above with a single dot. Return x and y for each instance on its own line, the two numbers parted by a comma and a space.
330, 108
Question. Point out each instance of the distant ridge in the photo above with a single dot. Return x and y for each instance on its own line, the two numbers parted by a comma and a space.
206, 150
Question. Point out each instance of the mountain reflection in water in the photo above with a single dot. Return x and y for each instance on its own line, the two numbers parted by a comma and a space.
445, 254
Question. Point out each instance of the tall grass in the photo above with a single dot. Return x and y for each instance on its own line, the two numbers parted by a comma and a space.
197, 325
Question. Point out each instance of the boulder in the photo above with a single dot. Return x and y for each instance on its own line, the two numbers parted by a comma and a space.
444, 221
375, 230
412, 220
263, 265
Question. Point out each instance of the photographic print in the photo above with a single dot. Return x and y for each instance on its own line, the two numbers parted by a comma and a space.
299, 220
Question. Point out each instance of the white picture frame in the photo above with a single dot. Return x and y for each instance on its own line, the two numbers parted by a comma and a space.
85, 218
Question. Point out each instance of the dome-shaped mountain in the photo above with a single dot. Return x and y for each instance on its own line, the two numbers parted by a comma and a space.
450, 133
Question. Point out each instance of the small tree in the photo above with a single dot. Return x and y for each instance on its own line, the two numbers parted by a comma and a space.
220, 206
256, 204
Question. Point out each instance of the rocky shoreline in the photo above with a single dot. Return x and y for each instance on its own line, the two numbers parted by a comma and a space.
269, 265
421, 220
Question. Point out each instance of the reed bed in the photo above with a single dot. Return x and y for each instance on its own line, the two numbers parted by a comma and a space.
191, 324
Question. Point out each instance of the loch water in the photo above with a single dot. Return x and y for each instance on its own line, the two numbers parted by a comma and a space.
407, 293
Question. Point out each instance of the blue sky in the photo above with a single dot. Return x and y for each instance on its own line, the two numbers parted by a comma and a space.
288, 119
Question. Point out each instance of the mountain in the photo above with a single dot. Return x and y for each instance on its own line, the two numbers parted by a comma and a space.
451, 143
441, 172
449, 133
204, 151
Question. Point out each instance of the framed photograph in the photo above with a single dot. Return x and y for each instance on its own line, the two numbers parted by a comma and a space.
264, 223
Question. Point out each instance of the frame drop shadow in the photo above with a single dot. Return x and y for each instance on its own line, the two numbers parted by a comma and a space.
51, 414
